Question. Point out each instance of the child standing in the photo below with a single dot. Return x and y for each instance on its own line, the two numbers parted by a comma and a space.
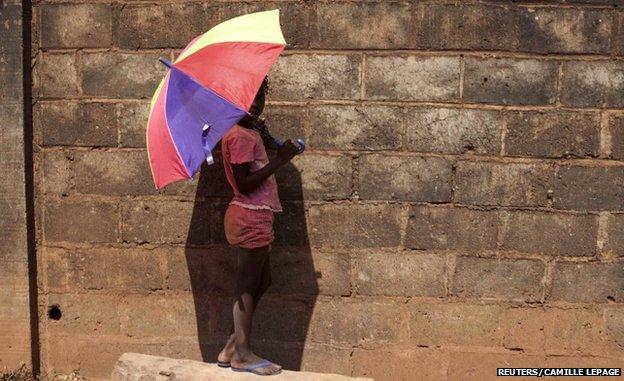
248, 224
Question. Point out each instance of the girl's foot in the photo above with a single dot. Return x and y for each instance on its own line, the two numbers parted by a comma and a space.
250, 362
225, 356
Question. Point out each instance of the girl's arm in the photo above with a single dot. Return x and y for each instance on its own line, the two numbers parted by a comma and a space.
247, 181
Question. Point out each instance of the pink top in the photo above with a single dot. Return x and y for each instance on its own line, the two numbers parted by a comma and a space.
242, 145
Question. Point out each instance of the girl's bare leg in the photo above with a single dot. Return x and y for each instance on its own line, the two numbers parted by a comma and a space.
253, 279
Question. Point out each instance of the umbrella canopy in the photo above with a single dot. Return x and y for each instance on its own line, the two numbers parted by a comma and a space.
207, 90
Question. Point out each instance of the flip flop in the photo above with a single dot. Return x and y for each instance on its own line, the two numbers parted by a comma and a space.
252, 368
223, 364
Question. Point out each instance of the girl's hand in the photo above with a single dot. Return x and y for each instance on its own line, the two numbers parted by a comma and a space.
287, 151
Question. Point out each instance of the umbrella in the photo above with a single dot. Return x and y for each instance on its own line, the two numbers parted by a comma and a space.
207, 90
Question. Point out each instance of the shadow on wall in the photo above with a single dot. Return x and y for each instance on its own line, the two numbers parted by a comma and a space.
281, 321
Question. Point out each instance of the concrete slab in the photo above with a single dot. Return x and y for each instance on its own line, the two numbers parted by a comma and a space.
135, 367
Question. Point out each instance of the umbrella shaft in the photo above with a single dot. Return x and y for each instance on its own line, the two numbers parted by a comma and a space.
165, 62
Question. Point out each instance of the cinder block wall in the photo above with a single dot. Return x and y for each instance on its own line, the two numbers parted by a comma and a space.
460, 206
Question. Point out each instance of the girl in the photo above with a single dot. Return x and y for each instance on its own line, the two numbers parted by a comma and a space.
248, 224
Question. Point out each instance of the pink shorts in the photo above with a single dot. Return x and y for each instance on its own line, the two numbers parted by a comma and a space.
248, 228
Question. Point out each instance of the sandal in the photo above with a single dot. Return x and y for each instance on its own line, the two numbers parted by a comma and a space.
253, 368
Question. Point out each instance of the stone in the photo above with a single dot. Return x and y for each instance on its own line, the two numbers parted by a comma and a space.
217, 231
132, 123
428, 364
510, 81
507, 279
378, 25
320, 76
76, 25
504, 184
79, 270
142, 26
324, 358
301, 270
593, 84
560, 134
451, 228
84, 314
405, 178
291, 225
453, 131
575, 330
433, 324
524, 328
315, 177
466, 365
116, 173
589, 188
121, 75
56, 75
286, 122
57, 172
134, 366
616, 135
358, 323
565, 30
412, 78
160, 315
464, 27
588, 282
369, 225
165, 222
80, 221
78, 124
555, 234
356, 127
276, 317
614, 322
209, 181
95, 358
294, 17
202, 270
614, 243
401, 274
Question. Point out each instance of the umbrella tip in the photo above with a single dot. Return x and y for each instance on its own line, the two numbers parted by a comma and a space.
165, 62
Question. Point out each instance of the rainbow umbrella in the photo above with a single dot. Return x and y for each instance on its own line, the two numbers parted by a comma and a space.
207, 90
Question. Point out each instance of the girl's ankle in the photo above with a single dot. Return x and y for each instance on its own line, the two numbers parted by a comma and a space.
242, 351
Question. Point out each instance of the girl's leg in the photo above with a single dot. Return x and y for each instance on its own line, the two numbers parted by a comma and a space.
248, 280
253, 279
265, 281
